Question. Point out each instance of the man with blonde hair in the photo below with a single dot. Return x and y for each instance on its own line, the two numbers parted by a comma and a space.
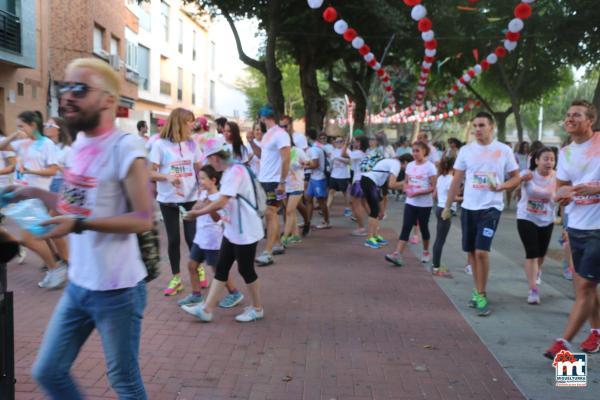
104, 202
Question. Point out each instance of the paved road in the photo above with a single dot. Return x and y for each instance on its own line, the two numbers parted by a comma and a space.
340, 324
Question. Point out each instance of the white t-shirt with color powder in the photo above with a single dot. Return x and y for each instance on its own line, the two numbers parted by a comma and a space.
339, 169
242, 223
93, 188
209, 233
295, 179
254, 163
356, 156
62, 152
442, 187
483, 165
177, 160
382, 171
272, 142
537, 199
418, 178
34, 155
6, 179
317, 153
580, 164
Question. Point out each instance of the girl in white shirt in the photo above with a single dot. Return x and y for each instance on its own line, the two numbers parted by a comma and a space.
294, 188
235, 145
360, 146
56, 130
535, 215
419, 184
175, 161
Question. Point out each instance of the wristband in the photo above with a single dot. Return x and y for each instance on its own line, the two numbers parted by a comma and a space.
79, 225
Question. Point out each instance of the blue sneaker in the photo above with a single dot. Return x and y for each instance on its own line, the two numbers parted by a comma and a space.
231, 300
347, 212
381, 240
372, 243
190, 299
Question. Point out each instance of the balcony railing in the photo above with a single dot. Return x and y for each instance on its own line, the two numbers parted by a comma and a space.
165, 88
10, 32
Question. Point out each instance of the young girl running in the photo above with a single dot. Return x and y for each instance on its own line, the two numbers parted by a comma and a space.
294, 188
418, 185
535, 215
444, 180
356, 155
207, 242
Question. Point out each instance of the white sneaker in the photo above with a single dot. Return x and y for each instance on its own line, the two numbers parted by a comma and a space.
54, 278
278, 250
264, 259
426, 257
538, 278
533, 297
22, 255
468, 269
250, 314
197, 310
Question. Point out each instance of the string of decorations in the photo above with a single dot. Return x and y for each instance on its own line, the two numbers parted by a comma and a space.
400, 119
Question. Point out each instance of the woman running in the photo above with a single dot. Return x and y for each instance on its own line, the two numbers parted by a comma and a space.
175, 160
419, 184
294, 188
360, 146
243, 229
535, 215
444, 180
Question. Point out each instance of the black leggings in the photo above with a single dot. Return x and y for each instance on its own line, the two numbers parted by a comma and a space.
170, 213
443, 227
372, 196
536, 239
413, 214
242, 253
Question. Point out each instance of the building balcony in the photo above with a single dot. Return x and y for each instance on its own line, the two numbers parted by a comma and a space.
10, 32
18, 34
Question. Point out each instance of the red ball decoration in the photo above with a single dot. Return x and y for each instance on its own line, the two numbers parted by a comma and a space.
386, 79
473, 1
372, 63
425, 70
432, 44
467, 107
471, 73
364, 50
485, 65
428, 59
450, 95
455, 87
500, 51
513, 36
412, 3
350, 35
425, 25
523, 11
462, 80
445, 115
330, 14
388, 88
380, 72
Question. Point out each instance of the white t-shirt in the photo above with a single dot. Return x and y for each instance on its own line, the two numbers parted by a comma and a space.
62, 152
382, 171
35, 155
300, 140
418, 179
151, 140
537, 199
93, 189
6, 179
356, 156
209, 233
242, 223
388, 152
339, 169
245, 155
317, 153
482, 163
295, 179
580, 163
254, 160
270, 160
442, 188
434, 155
176, 159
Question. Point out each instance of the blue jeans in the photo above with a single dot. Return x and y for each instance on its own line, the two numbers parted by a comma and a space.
117, 314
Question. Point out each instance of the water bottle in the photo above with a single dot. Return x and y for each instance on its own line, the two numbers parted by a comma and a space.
28, 215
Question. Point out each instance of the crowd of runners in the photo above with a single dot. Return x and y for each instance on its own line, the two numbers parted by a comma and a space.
227, 191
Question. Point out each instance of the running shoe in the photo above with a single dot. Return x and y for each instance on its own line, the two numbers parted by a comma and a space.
250, 314
414, 239
468, 269
441, 272
294, 239
558, 346
198, 312
567, 273
359, 232
353, 218
347, 212
538, 277
278, 250
264, 259
425, 257
533, 297
54, 278
305, 229
483, 309
231, 300
395, 258
372, 243
324, 225
285, 241
202, 276
175, 286
22, 255
191, 299
381, 240
592, 343
473, 301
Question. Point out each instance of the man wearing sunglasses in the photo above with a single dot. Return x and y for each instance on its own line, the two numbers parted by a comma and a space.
104, 202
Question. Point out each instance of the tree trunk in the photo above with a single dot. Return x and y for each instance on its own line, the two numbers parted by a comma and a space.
315, 106
273, 75
501, 118
516, 106
360, 108
596, 102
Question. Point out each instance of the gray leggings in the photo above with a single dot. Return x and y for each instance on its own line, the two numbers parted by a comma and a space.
443, 227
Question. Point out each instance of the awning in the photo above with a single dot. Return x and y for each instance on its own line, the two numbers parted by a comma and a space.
125, 101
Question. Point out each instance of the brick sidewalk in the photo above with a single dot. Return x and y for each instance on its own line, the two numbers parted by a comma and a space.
339, 324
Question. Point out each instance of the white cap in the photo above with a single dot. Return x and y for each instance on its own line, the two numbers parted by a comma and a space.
214, 145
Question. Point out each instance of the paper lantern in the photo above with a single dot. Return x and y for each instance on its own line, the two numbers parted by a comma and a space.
418, 12
523, 11
340, 27
485, 65
350, 34
513, 36
358, 42
500, 51
363, 51
412, 3
315, 3
516, 25
427, 36
492, 58
330, 14
510, 46
430, 52
425, 25
431, 44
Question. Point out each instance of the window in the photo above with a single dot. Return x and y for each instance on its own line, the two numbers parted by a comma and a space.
164, 19
131, 56
165, 83
180, 40
20, 88
193, 45
34, 94
179, 84
114, 46
212, 95
9, 6
194, 89
144, 20
98, 39
213, 54
143, 67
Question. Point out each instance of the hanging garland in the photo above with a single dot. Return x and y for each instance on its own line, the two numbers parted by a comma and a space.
398, 119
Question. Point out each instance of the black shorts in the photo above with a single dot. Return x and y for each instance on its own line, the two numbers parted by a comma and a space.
536, 239
372, 196
307, 176
585, 248
270, 190
210, 257
479, 228
339, 185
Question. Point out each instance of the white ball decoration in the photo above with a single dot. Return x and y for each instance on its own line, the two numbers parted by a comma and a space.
418, 12
516, 25
451, 91
466, 77
492, 58
527, 1
510, 45
430, 52
376, 66
358, 42
369, 57
427, 36
426, 65
461, 110
340, 26
459, 84
451, 114
315, 3
477, 69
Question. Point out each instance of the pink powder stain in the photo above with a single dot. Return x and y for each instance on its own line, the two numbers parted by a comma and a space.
594, 150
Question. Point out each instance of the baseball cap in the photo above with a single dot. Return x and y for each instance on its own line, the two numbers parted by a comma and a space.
214, 145
266, 111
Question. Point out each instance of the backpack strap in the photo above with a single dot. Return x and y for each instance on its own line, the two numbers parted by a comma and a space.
239, 196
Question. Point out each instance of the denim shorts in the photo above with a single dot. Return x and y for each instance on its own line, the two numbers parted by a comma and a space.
479, 228
585, 248
211, 257
317, 188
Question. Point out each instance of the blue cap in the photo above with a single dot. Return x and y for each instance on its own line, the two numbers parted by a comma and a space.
266, 111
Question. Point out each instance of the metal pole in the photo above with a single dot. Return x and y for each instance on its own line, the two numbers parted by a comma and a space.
541, 123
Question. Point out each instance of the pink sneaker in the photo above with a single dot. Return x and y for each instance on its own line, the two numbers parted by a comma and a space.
414, 239
175, 286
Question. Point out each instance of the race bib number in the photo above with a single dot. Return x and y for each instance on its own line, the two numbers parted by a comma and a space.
418, 183
78, 195
483, 180
537, 206
181, 169
588, 200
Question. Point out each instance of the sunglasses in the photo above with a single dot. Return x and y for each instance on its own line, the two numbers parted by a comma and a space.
78, 89
51, 126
